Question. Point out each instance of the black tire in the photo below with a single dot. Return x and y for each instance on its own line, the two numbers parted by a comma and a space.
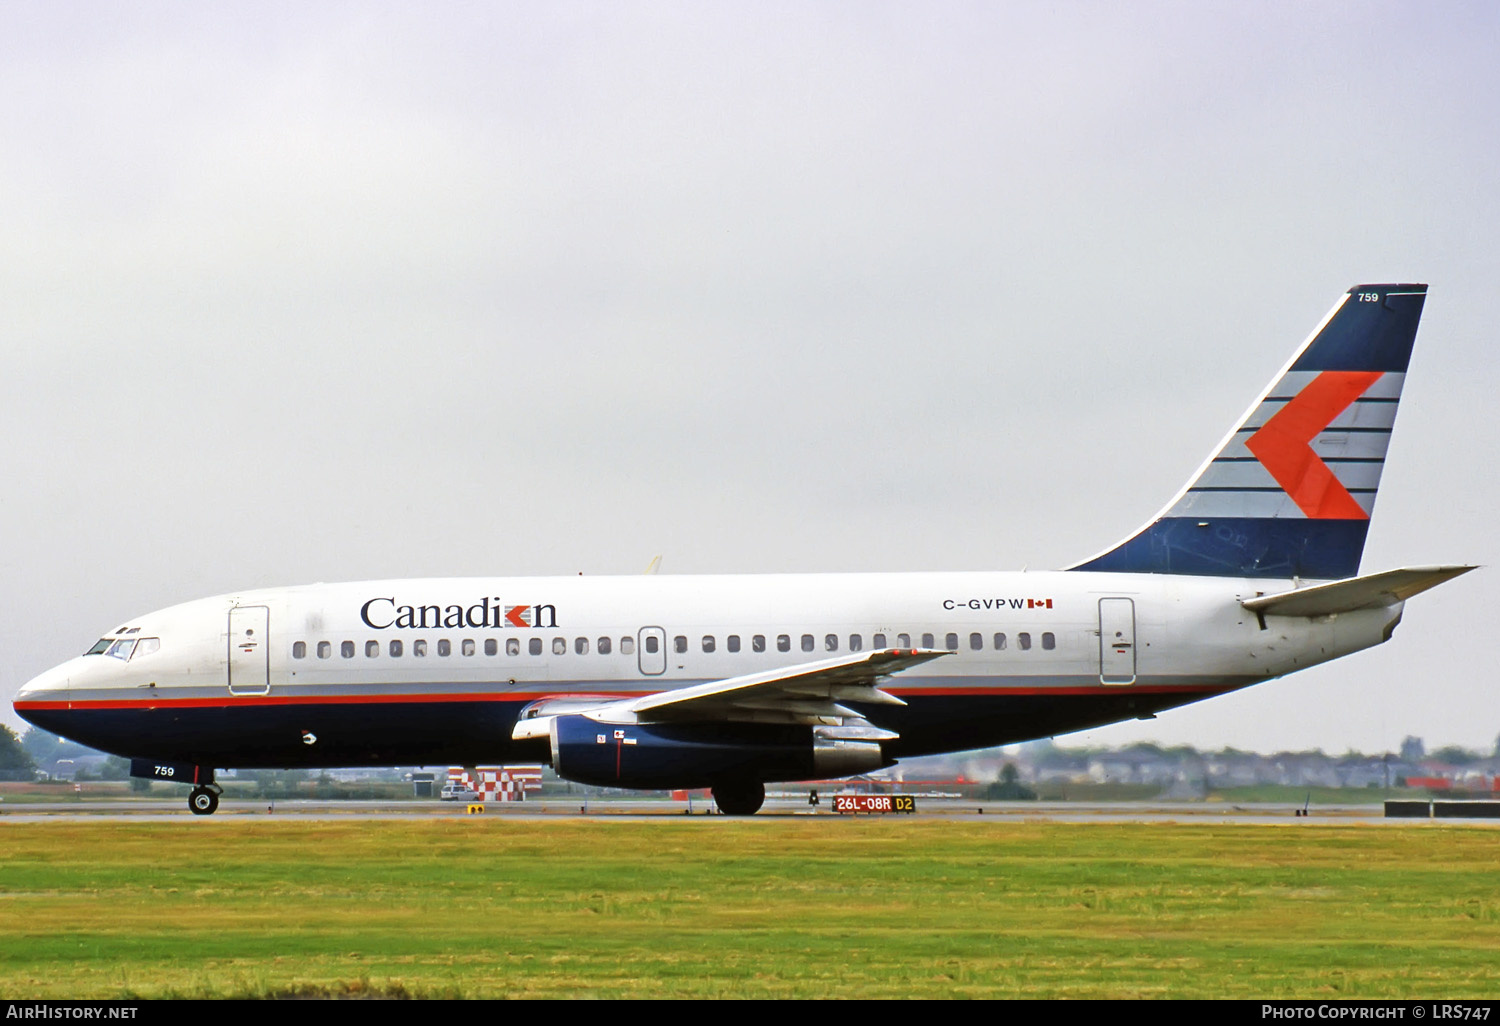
740, 798
203, 802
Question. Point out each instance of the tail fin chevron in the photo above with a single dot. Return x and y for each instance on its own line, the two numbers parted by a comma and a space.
1289, 491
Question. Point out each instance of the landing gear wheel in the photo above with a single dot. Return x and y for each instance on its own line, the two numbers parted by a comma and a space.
740, 798
203, 801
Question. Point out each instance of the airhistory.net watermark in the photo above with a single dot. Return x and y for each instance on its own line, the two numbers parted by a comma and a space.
45, 1010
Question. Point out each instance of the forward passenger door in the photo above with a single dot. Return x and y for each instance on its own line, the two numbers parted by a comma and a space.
249, 650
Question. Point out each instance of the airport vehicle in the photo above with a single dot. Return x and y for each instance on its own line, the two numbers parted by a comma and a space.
458, 793
1250, 572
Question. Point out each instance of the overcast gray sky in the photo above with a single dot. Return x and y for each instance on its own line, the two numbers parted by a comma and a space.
297, 292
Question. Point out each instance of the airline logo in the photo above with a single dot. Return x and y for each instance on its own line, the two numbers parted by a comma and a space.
383, 613
1284, 445
1312, 449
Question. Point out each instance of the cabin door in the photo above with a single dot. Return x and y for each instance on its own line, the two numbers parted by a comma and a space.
1116, 641
651, 650
249, 650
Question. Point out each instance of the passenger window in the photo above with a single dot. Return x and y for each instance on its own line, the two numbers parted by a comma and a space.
512, 646
581, 646
783, 643
559, 646
443, 648
419, 647
679, 644
732, 642
395, 649
976, 641
1024, 640
1000, 642
708, 642
604, 646
951, 642
808, 644
903, 641
491, 647
534, 646
324, 650
627, 646
878, 641
346, 649
831, 643
928, 641
758, 643
146, 646
372, 649
299, 650
856, 642
1049, 640
467, 648
651, 644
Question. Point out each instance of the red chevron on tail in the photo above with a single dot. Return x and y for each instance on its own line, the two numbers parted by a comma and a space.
1284, 445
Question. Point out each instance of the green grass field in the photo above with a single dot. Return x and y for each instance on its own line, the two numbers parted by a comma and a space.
770, 907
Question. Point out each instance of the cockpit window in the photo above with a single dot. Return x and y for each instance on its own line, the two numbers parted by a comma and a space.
120, 647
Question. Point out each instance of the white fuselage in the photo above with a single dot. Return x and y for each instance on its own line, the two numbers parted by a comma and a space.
439, 670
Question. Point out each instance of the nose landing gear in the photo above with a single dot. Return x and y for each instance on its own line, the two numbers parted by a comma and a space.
204, 800
205, 797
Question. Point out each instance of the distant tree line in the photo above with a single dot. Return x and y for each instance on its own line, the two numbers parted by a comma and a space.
16, 763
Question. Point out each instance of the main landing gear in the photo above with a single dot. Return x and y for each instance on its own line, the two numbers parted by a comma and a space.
740, 797
204, 800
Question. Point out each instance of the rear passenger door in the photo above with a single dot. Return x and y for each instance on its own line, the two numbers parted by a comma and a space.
1116, 641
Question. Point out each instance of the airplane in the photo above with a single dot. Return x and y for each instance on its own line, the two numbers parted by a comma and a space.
1250, 572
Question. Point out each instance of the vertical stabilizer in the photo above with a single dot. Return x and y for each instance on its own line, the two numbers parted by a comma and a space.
1290, 490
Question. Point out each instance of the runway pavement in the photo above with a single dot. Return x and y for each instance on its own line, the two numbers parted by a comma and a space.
999, 813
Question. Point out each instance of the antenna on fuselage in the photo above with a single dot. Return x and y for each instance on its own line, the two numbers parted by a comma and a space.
655, 565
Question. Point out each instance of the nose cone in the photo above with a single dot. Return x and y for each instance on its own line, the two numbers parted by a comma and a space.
44, 690
43, 701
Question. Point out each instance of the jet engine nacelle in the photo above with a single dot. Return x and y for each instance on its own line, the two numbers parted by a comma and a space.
683, 755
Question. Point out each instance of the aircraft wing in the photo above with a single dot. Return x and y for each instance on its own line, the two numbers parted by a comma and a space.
807, 693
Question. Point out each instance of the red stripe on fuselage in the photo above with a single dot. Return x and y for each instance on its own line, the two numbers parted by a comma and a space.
1090, 689
531, 696
244, 700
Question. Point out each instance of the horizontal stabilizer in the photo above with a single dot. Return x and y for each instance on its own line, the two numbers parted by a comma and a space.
1376, 590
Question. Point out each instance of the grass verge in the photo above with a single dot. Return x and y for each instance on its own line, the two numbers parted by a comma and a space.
772, 907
